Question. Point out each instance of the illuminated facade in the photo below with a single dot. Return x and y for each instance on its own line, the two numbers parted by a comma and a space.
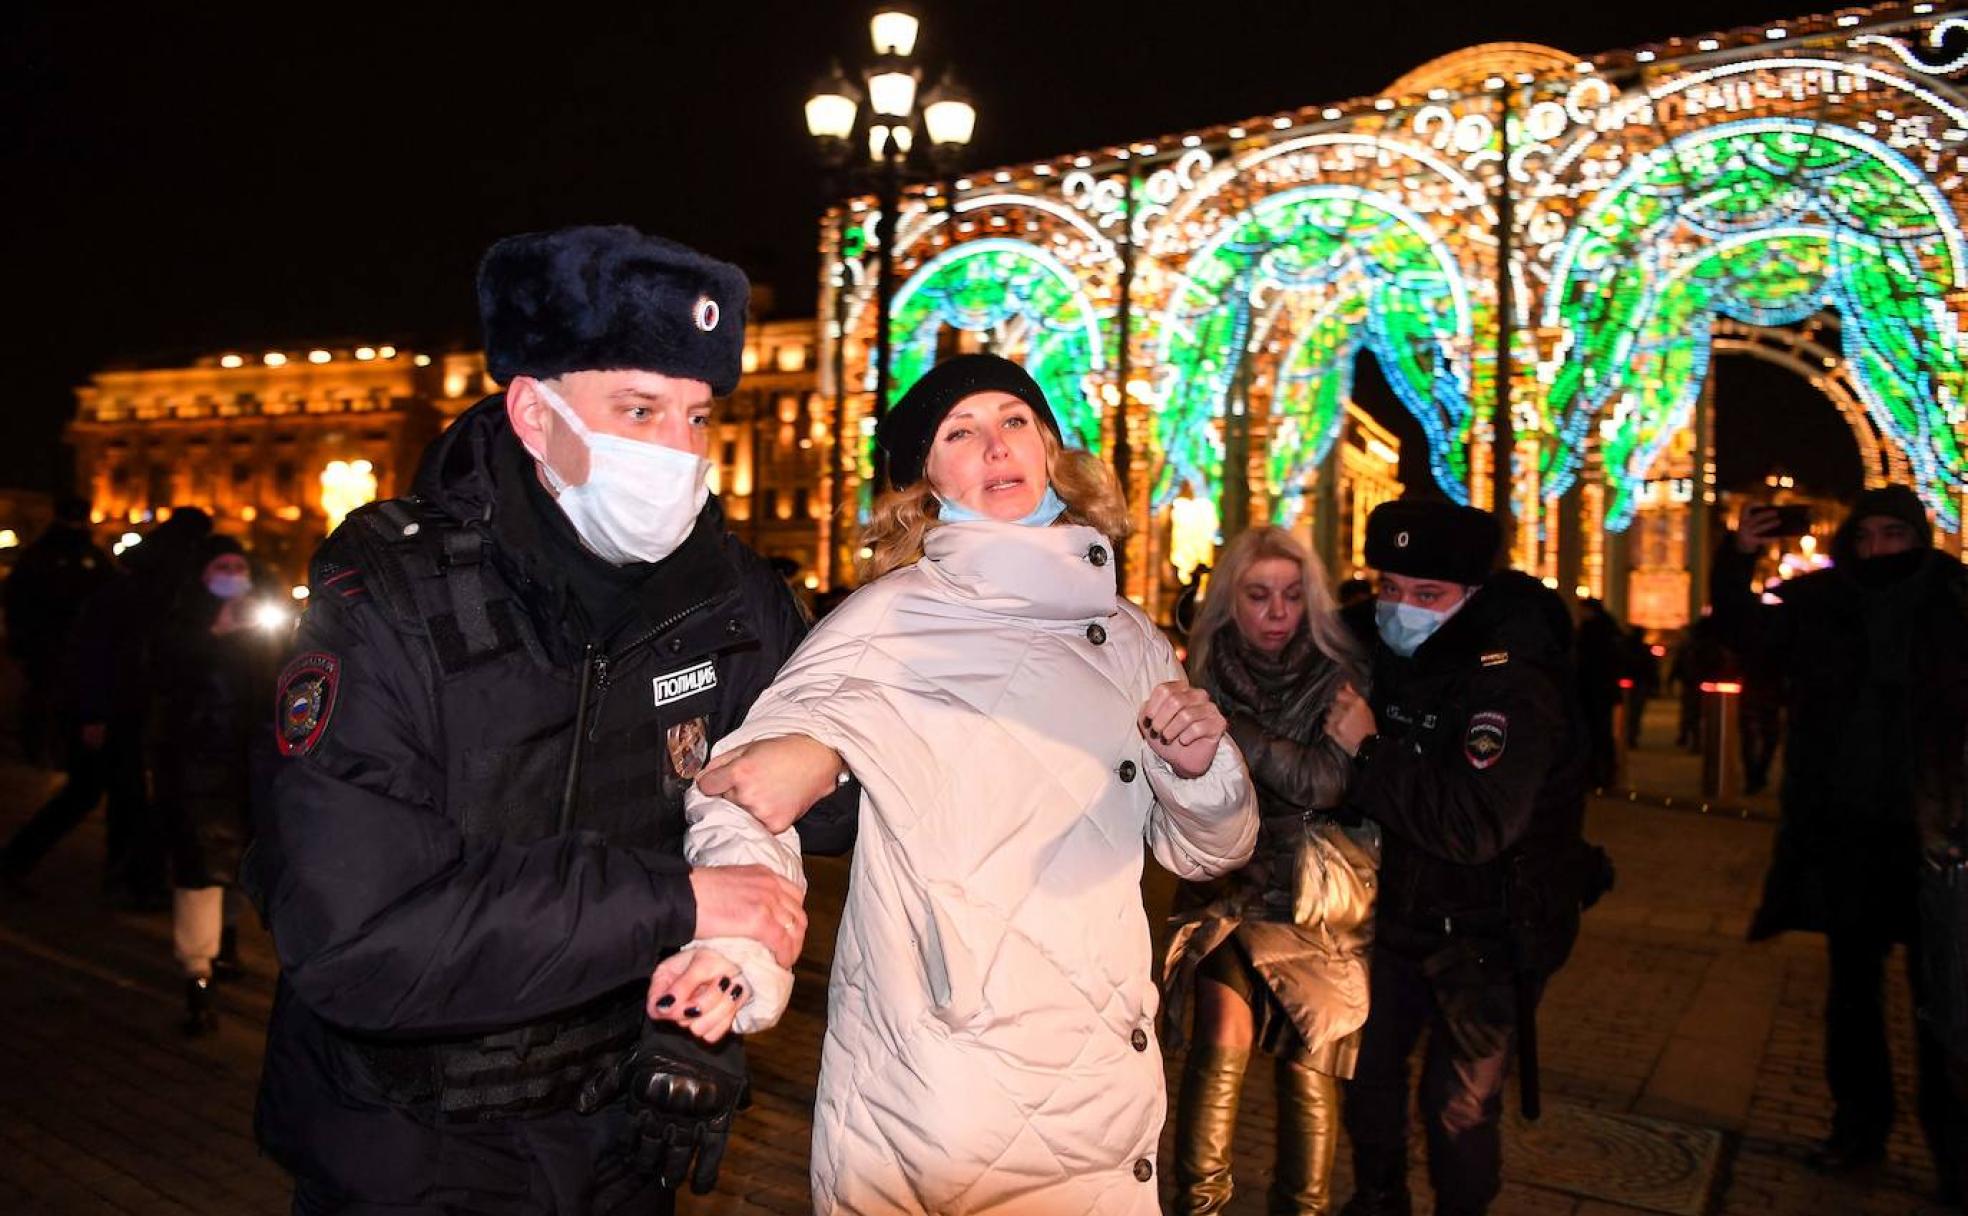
269, 443
1510, 231
279, 446
774, 436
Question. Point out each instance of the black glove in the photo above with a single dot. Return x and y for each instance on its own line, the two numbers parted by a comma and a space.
681, 1094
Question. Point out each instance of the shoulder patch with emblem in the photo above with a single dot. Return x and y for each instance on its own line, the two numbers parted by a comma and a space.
305, 702
1486, 738
689, 745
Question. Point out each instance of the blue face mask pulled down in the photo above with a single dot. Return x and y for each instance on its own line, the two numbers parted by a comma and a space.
1050, 507
1404, 627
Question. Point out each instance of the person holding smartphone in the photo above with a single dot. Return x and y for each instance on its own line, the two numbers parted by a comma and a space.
1875, 655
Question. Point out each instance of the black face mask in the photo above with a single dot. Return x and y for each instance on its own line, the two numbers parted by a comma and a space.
1876, 572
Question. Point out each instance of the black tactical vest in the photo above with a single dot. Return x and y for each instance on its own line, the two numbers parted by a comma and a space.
533, 748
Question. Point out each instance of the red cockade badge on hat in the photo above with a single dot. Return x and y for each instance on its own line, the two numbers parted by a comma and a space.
306, 699
1485, 740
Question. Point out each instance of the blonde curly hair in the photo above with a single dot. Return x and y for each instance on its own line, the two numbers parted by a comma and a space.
901, 518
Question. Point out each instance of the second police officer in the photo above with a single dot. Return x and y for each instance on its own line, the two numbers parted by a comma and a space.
1471, 759
471, 850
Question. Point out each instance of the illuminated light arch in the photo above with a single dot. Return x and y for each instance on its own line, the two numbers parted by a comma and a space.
1765, 221
1625, 109
1030, 304
1800, 352
1459, 70
1322, 270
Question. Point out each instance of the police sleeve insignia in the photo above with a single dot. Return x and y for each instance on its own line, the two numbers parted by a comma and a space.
305, 702
1484, 742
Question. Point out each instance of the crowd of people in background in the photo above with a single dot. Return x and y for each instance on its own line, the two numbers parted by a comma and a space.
146, 681
515, 958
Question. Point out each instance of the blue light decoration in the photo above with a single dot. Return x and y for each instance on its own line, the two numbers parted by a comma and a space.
1630, 203
1322, 271
1030, 307
1765, 221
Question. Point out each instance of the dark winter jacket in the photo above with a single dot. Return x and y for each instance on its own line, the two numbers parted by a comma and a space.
210, 708
1870, 672
52, 579
1477, 778
475, 823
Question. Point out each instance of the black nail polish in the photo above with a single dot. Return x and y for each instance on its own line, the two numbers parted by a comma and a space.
693, 1012
724, 983
665, 1002
738, 990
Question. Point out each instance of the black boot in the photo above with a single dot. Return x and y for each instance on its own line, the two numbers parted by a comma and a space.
1205, 1126
225, 967
200, 1017
1308, 1137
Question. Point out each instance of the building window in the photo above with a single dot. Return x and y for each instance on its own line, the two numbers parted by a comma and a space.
241, 473
770, 502
802, 499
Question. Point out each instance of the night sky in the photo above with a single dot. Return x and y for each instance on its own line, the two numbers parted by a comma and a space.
189, 177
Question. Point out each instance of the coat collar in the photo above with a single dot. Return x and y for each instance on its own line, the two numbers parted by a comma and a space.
1046, 574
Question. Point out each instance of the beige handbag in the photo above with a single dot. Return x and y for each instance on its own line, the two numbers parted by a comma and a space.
1335, 877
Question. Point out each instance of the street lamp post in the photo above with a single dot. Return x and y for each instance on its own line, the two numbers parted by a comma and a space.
894, 112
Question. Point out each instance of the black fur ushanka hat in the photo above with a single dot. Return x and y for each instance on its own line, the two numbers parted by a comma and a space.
1433, 539
607, 299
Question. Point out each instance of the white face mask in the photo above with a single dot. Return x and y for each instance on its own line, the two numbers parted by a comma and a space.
640, 500
228, 586
1404, 627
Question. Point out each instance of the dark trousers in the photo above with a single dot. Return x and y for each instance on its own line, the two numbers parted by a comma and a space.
553, 1165
1461, 1097
1858, 1067
135, 846
1761, 723
1604, 754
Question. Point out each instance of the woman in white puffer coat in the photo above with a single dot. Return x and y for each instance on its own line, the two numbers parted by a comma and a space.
1018, 731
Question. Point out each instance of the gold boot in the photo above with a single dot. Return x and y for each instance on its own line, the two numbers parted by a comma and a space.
1308, 1136
1205, 1125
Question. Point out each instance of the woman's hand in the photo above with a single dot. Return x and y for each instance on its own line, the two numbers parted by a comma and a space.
1349, 721
699, 990
776, 781
1182, 726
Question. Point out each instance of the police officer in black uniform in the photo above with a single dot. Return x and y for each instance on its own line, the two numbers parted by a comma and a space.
470, 848
1471, 759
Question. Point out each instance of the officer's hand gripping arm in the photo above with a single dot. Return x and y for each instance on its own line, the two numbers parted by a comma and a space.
1450, 799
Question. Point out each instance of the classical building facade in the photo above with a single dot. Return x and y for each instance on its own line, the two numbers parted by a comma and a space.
278, 445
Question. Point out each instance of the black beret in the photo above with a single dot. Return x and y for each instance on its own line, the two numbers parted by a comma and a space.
1434, 539
608, 299
905, 432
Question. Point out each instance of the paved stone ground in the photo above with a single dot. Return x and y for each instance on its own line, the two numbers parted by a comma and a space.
1664, 1014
